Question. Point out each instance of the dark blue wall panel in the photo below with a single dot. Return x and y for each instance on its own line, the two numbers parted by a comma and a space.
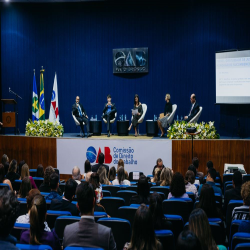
76, 41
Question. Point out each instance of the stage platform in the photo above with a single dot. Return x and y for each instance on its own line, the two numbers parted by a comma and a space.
45, 151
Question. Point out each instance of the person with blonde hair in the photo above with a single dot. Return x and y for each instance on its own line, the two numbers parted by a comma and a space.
26, 173
121, 164
163, 122
165, 177
157, 174
103, 176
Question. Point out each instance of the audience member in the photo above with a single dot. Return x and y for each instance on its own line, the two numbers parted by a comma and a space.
157, 174
211, 176
189, 183
88, 171
65, 204
234, 193
121, 178
103, 176
86, 232
95, 181
26, 217
54, 185
25, 187
40, 171
198, 223
76, 175
207, 202
187, 240
143, 234
121, 164
177, 187
242, 212
8, 215
20, 165
5, 162
12, 175
196, 162
159, 220
165, 177
26, 173
101, 158
36, 235
244, 226
159, 164
2, 178
112, 174
143, 192
211, 165
193, 168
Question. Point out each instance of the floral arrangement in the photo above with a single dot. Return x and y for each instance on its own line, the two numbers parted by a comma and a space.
178, 130
44, 129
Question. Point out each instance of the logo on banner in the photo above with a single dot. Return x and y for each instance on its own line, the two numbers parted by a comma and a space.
92, 156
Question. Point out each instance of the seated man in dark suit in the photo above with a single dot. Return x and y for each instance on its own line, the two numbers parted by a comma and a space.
81, 115
234, 193
86, 232
109, 112
194, 108
54, 185
100, 163
8, 215
65, 203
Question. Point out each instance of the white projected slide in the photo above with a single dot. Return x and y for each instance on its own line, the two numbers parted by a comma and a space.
233, 77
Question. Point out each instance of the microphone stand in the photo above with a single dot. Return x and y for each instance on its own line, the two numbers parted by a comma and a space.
17, 96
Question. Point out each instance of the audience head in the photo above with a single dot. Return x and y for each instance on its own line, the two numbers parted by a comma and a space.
25, 187
87, 166
237, 179
155, 207
136, 99
245, 193
143, 234
157, 174
101, 158
25, 171
40, 171
143, 188
32, 193
2, 173
76, 173
102, 175
192, 168
86, 198
177, 187
211, 174
5, 159
187, 240
13, 166
48, 171
195, 162
121, 175
112, 174
8, 211
94, 180
70, 189
159, 163
198, 223
20, 165
189, 177
37, 217
166, 176
120, 164
209, 165
54, 181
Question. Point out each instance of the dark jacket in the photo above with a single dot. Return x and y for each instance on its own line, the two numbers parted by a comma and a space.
64, 205
232, 194
112, 113
44, 187
194, 111
138, 199
12, 176
76, 112
96, 167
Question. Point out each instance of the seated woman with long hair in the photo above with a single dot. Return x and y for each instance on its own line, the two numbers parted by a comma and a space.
2, 177
198, 223
37, 235
25, 187
121, 178
207, 202
26, 173
165, 177
121, 164
95, 181
189, 182
177, 187
143, 234
103, 176
12, 175
88, 171
112, 174
157, 174
40, 171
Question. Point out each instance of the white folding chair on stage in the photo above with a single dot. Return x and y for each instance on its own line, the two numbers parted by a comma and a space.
144, 108
111, 121
196, 118
77, 123
171, 116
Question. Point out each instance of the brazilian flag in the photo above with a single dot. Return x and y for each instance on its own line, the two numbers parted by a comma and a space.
35, 111
42, 100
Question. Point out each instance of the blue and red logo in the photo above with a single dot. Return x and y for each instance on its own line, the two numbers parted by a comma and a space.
92, 156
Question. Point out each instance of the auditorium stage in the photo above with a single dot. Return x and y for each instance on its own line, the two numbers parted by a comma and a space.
175, 153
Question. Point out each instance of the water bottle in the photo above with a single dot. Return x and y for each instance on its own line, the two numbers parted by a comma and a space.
125, 117
91, 119
122, 117
177, 118
96, 117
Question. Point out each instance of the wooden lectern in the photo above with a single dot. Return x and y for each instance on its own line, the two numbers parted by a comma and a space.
9, 118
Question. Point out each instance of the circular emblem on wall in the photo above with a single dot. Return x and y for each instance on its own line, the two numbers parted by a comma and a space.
91, 154
8, 119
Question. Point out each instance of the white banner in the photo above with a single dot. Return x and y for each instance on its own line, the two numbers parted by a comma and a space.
138, 155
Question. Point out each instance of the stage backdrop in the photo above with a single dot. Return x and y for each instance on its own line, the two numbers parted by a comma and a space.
138, 155
77, 39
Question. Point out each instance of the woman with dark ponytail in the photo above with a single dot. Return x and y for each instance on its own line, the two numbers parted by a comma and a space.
37, 235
